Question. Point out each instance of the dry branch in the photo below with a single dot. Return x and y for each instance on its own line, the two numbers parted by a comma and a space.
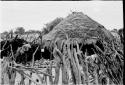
86, 72
57, 73
4, 45
26, 75
33, 56
34, 70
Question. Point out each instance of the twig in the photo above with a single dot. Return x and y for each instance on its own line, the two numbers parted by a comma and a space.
12, 52
4, 45
4, 49
98, 49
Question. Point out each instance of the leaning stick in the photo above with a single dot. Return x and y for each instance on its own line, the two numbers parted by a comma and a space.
12, 51
99, 49
33, 59
86, 73
33, 56
50, 71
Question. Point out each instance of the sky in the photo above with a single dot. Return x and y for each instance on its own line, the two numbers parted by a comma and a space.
34, 15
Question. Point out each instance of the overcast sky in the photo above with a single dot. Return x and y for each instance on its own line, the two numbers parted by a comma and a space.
34, 15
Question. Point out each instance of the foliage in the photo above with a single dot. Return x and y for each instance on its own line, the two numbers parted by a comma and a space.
20, 30
32, 31
5, 33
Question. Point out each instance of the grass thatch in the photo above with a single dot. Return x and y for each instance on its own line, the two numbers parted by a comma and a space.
79, 27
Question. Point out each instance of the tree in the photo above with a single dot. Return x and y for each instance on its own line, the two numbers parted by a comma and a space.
31, 31
5, 33
20, 30
11, 33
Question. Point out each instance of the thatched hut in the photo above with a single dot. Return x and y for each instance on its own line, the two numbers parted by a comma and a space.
75, 40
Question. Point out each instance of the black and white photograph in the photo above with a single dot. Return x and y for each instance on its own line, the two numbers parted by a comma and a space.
61, 42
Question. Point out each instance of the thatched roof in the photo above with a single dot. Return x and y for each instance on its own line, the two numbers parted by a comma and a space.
80, 26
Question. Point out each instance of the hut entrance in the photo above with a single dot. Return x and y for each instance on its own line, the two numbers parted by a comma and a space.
91, 48
46, 54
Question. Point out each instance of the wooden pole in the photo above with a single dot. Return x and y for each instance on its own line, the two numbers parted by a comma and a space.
64, 71
57, 74
86, 71
78, 66
4, 75
73, 64
33, 56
